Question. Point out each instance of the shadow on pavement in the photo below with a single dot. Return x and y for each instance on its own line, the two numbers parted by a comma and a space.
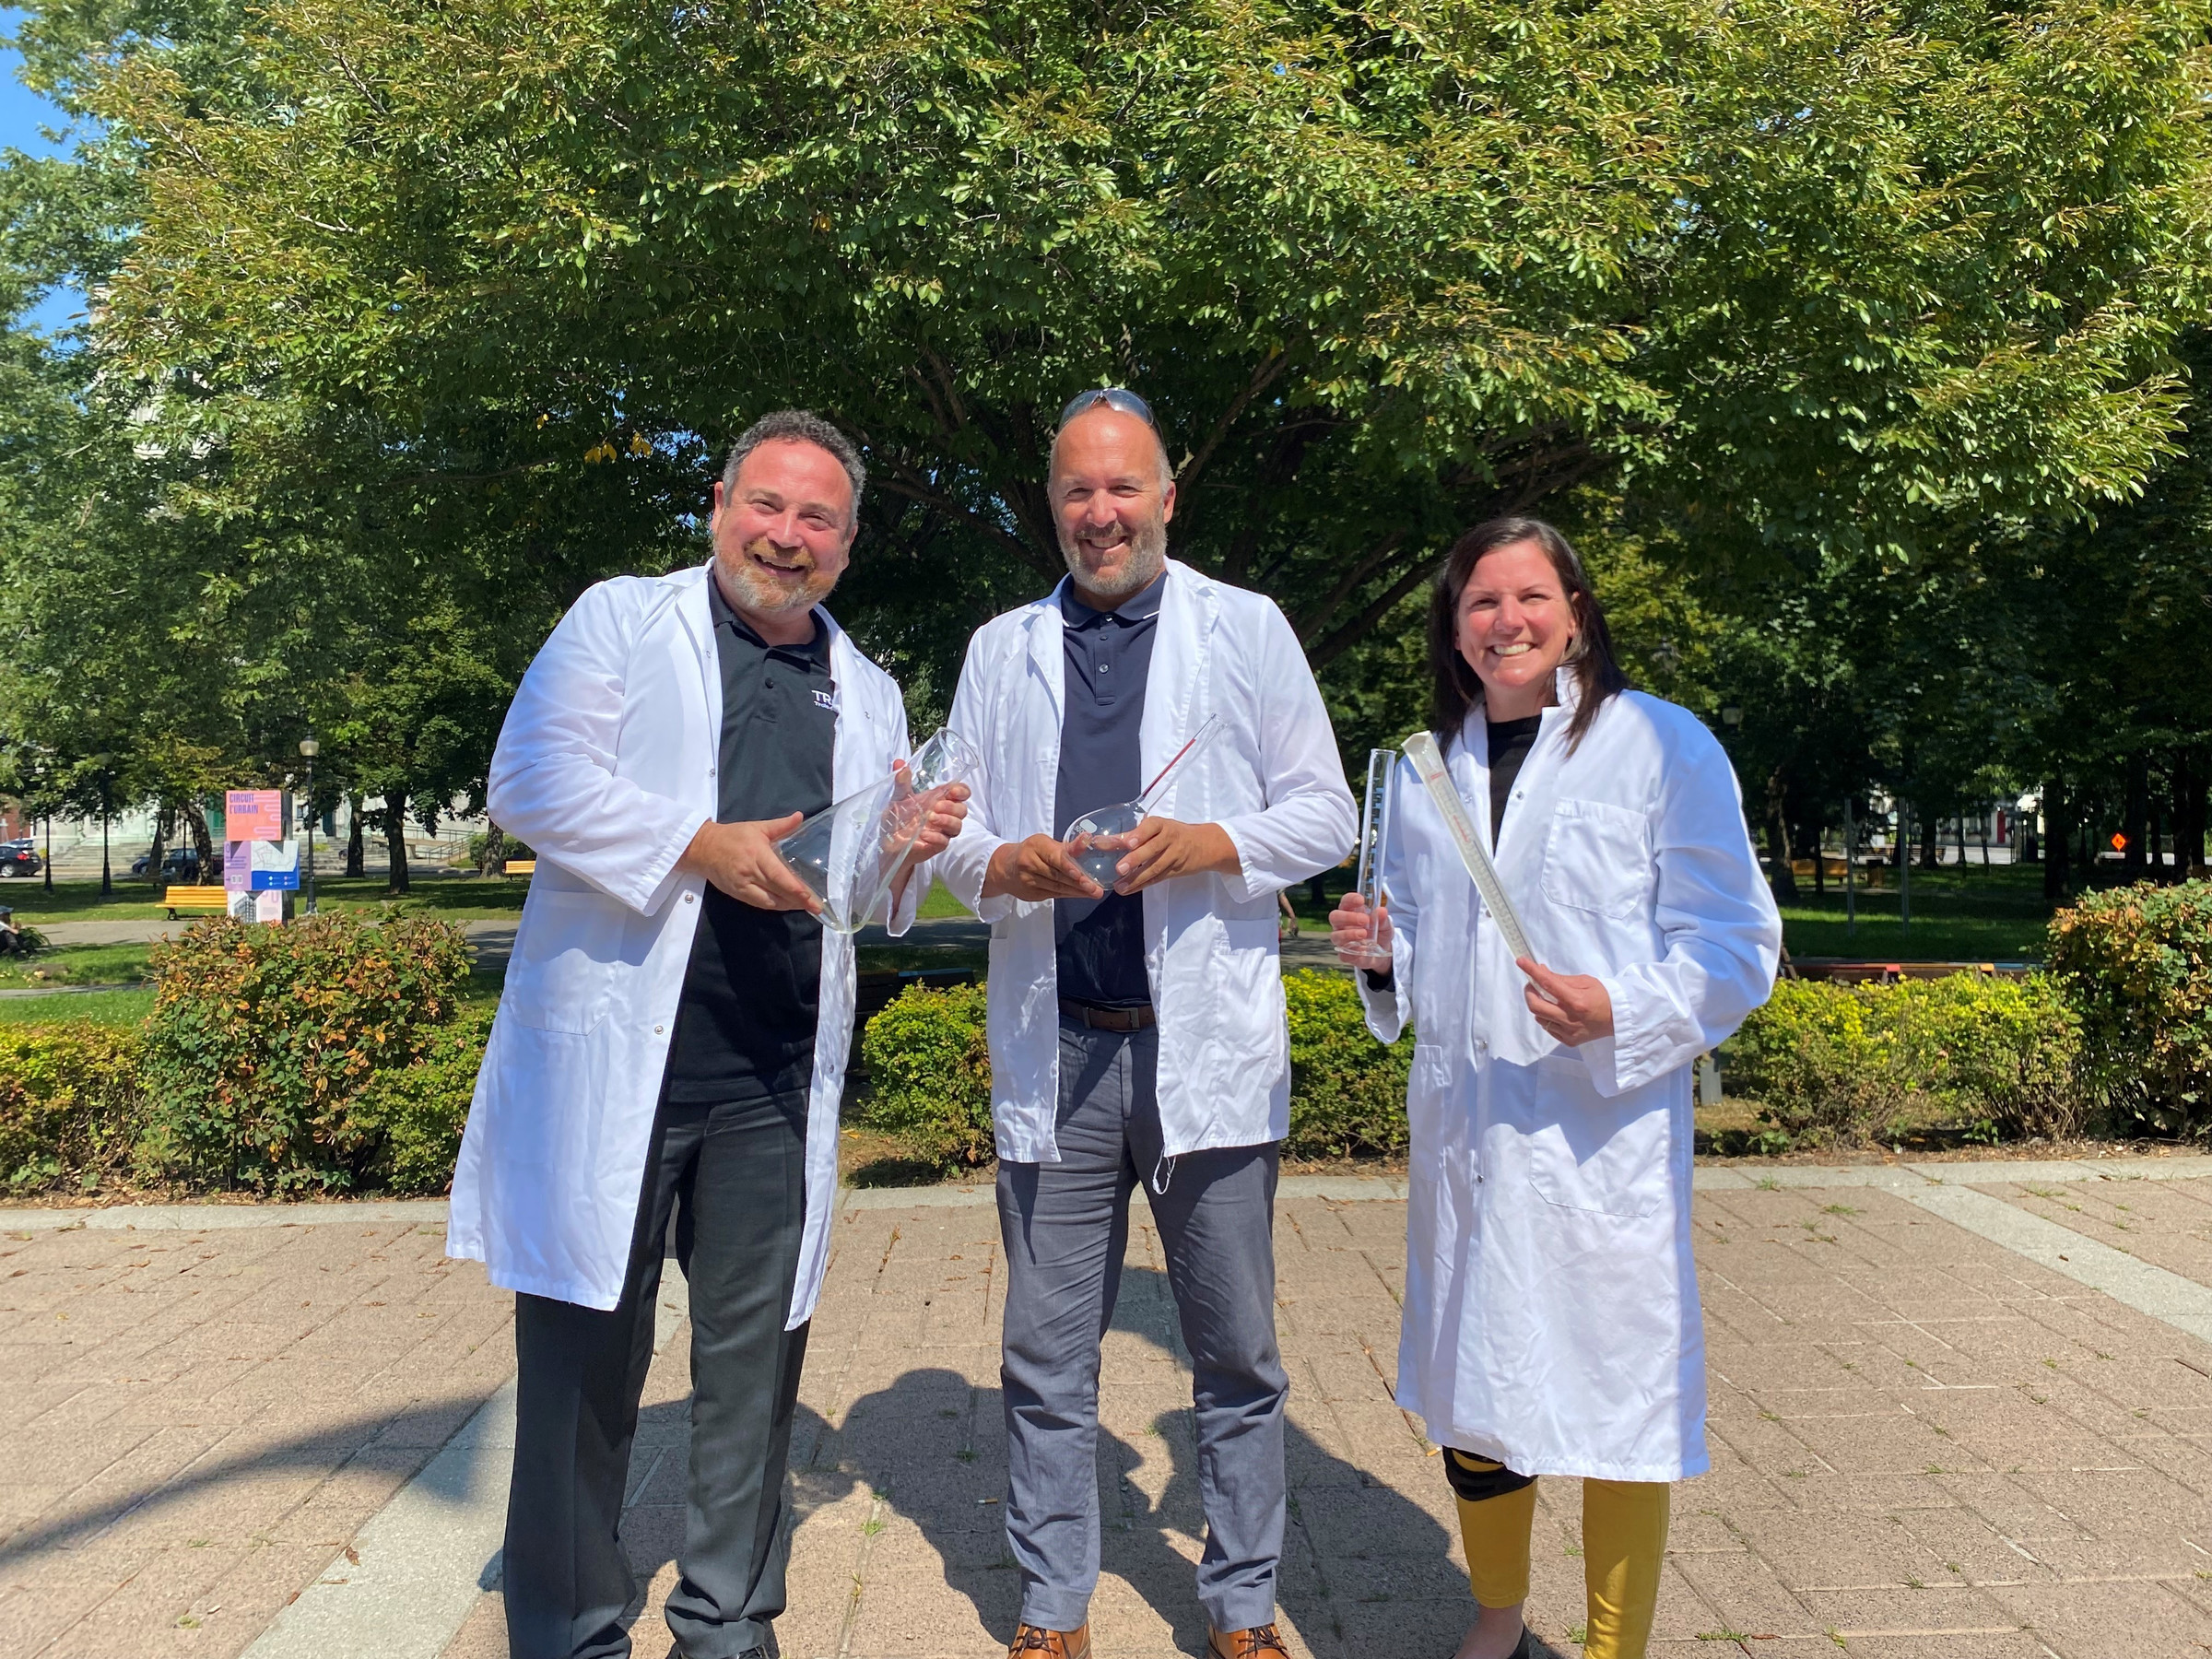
325, 1452
1319, 1579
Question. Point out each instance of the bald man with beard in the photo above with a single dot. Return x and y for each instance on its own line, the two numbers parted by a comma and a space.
1137, 1036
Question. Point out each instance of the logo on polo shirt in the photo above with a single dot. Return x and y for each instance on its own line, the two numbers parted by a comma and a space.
827, 699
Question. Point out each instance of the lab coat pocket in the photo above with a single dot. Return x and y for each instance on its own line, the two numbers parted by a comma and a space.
1427, 1089
1595, 859
1594, 1160
562, 974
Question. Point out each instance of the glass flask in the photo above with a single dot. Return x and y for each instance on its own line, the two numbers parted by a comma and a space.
1375, 835
849, 851
1099, 839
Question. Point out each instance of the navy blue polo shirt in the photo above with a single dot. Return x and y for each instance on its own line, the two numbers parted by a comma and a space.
1101, 942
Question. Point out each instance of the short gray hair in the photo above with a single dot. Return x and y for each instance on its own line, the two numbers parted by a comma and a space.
802, 426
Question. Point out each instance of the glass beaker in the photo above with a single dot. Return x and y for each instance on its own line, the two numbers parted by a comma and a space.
849, 853
1375, 836
1099, 839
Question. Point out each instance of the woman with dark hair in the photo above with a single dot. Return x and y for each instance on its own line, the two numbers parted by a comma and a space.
1552, 1321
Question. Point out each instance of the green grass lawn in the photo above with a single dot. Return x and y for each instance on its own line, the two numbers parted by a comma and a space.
938, 904
76, 965
1970, 915
103, 1007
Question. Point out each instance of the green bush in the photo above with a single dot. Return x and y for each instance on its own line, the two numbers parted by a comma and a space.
410, 1120
929, 1063
262, 1039
1836, 1063
1348, 1092
929, 1072
2136, 963
70, 1106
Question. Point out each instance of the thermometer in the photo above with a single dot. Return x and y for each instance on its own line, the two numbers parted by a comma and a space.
1429, 765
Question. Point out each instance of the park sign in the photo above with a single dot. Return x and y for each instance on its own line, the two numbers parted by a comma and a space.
256, 815
261, 862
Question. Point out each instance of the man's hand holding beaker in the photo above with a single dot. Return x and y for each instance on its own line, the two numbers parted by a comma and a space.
1162, 848
1038, 868
741, 859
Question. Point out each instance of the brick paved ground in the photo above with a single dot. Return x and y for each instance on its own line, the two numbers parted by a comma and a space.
1924, 1446
192, 1425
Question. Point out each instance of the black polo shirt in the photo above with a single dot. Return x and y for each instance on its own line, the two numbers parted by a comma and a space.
745, 1028
1101, 942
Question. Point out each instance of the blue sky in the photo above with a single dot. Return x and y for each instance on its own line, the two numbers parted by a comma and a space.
22, 113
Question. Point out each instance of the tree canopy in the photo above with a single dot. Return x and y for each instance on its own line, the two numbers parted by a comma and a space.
444, 311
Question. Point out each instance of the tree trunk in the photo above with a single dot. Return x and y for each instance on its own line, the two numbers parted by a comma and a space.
2188, 813
1931, 855
495, 850
355, 856
2057, 839
2153, 853
396, 842
164, 827
1781, 876
1819, 861
2133, 812
1959, 824
203, 838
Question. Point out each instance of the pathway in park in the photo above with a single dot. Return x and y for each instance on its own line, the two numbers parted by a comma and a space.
1961, 1410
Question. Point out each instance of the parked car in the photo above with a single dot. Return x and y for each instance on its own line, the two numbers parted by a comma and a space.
179, 864
19, 858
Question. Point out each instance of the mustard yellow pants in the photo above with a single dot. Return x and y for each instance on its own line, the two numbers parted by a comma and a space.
1624, 1538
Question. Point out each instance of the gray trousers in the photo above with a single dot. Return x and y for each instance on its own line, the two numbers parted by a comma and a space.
1065, 1225
734, 1176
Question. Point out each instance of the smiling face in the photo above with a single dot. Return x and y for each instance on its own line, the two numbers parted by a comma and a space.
1111, 501
782, 537
1515, 624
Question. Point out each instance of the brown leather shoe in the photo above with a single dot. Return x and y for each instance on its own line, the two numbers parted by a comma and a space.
1259, 1642
1029, 1642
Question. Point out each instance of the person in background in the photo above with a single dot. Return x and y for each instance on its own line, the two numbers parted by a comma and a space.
1138, 1037
1552, 1323
672, 1040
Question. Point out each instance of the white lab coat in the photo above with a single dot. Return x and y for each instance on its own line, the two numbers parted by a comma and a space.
1551, 1317
606, 767
1272, 780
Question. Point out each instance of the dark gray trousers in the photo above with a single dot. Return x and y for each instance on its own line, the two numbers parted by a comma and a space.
735, 1177
1065, 1225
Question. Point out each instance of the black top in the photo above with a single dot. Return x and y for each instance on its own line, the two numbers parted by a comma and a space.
745, 1028
1509, 742
1101, 942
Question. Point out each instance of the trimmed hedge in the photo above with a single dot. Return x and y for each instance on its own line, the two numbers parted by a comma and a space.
1348, 1092
1836, 1063
929, 1061
71, 1111
410, 1120
2136, 963
929, 1070
262, 1039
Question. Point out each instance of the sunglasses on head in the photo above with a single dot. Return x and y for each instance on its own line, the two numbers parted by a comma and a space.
1114, 397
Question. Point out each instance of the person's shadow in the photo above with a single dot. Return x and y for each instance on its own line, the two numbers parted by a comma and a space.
1364, 1565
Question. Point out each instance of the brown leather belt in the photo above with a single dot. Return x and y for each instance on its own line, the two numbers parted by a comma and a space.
1108, 1019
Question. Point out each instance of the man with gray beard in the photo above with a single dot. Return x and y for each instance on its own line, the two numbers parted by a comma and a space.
1137, 1035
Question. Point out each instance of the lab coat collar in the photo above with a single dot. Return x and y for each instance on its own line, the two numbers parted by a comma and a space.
1188, 604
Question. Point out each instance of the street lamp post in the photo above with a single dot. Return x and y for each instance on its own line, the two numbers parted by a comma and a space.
308, 749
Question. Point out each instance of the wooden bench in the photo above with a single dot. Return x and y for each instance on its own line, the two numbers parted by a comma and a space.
520, 866
213, 900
